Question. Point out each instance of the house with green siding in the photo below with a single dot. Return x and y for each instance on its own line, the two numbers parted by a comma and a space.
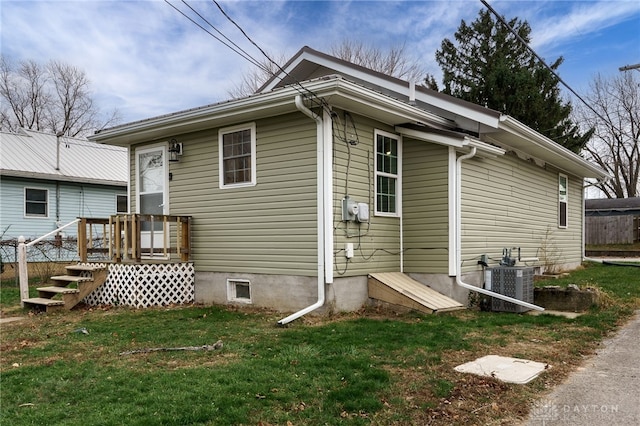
332, 173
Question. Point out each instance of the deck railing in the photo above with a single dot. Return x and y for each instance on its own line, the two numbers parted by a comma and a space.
135, 238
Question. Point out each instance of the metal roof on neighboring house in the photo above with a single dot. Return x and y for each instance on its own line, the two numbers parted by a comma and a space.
34, 154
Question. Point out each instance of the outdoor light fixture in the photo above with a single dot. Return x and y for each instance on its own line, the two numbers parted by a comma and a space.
175, 151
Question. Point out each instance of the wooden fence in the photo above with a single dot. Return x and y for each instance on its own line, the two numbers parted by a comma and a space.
612, 229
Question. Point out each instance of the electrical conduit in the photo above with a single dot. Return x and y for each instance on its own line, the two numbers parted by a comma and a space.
323, 134
458, 231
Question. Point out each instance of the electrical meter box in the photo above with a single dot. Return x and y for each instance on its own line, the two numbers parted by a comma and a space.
349, 209
363, 212
354, 211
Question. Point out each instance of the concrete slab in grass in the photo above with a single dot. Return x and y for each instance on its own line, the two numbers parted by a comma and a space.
506, 369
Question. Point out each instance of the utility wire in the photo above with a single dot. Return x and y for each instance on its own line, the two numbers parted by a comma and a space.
492, 10
247, 57
321, 101
253, 60
244, 54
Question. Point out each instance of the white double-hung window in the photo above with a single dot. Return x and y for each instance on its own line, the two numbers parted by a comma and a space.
237, 153
388, 166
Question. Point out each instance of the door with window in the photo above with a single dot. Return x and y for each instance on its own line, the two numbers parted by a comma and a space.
152, 179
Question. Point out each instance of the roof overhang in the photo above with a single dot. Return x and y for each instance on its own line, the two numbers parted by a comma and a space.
338, 92
309, 63
457, 140
60, 178
531, 145
334, 90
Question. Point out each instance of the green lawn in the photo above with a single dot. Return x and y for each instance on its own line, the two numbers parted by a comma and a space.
371, 367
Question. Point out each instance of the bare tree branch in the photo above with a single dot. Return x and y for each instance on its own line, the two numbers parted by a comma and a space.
55, 98
395, 62
615, 142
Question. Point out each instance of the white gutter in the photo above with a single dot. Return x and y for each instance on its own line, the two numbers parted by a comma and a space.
581, 167
458, 233
324, 200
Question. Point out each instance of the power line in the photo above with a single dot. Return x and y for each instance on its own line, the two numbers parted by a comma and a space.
302, 89
321, 101
515, 33
246, 35
243, 55
253, 60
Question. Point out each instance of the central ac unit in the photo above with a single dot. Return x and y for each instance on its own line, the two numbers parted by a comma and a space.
512, 281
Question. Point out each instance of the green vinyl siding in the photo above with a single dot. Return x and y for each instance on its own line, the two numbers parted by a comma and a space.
267, 228
377, 243
508, 202
426, 208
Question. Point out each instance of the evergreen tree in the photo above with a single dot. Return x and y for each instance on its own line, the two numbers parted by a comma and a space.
489, 66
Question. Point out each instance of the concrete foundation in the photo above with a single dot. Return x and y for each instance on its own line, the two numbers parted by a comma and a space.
285, 293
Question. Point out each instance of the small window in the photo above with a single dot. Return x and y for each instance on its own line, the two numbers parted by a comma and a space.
122, 206
239, 290
36, 202
563, 200
387, 185
237, 150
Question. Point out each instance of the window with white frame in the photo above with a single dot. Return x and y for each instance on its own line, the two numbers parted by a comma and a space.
36, 202
122, 204
239, 290
387, 183
563, 200
237, 153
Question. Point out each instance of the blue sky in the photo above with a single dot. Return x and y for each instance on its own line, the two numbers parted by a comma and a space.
145, 59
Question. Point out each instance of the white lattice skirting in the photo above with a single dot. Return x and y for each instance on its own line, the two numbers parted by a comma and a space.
146, 285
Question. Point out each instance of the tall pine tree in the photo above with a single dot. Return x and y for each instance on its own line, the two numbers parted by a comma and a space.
489, 66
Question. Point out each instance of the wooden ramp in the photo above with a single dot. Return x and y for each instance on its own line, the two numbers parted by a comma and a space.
399, 289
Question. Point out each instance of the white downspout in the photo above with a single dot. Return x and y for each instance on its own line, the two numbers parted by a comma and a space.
458, 232
321, 210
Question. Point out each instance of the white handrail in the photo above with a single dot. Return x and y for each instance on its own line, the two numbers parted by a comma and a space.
22, 259
55, 231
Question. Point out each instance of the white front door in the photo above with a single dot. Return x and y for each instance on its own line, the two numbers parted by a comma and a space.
152, 184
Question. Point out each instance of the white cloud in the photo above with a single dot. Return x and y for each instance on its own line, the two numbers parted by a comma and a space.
146, 59
582, 19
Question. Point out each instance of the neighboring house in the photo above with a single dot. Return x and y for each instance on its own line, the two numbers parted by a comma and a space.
46, 182
612, 220
332, 172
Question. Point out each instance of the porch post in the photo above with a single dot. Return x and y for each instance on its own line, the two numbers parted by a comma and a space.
185, 239
82, 239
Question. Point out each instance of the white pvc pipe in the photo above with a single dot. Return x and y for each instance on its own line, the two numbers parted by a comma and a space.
458, 232
320, 200
55, 231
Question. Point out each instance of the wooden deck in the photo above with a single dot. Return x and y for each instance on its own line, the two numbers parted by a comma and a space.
399, 289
